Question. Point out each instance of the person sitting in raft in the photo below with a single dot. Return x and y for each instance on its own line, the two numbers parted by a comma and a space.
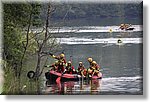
69, 68
124, 26
80, 68
61, 62
84, 72
55, 66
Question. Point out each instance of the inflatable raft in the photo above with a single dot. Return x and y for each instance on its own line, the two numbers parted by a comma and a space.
53, 75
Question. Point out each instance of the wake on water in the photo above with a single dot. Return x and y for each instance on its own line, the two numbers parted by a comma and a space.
75, 40
87, 29
122, 78
93, 29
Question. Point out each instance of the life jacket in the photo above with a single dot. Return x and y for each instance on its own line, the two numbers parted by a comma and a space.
85, 72
80, 68
70, 70
60, 68
90, 71
95, 70
97, 67
62, 63
55, 67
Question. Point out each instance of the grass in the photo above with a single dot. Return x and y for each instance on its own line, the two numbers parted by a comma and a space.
27, 86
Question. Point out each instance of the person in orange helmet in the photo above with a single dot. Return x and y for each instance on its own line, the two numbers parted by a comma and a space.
69, 68
95, 69
90, 60
80, 68
61, 62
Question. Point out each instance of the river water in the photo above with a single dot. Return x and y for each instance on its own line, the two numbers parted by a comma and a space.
121, 63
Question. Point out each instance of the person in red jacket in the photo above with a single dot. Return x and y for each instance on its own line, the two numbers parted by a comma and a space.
69, 68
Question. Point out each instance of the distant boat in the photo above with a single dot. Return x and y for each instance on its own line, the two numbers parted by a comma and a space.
126, 27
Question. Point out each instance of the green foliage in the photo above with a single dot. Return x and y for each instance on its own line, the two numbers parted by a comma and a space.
16, 20
11, 83
32, 45
12, 45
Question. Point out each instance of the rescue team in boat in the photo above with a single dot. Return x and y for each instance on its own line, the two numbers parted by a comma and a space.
61, 66
125, 27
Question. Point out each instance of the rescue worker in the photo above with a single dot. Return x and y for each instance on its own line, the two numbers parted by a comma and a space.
80, 68
89, 71
122, 26
90, 60
94, 70
55, 66
69, 68
84, 72
61, 62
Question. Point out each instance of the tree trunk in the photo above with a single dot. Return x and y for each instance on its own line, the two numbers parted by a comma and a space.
38, 66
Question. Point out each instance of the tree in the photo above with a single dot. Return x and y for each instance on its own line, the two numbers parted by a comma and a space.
17, 18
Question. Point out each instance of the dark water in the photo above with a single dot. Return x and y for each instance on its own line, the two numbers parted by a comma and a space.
97, 21
121, 65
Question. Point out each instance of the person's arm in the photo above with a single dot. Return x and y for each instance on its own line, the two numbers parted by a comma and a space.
65, 61
73, 68
98, 67
53, 56
82, 73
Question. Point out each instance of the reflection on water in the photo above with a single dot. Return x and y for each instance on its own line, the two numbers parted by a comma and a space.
72, 87
108, 86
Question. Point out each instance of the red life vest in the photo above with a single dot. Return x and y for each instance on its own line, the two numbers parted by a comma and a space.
80, 68
70, 70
